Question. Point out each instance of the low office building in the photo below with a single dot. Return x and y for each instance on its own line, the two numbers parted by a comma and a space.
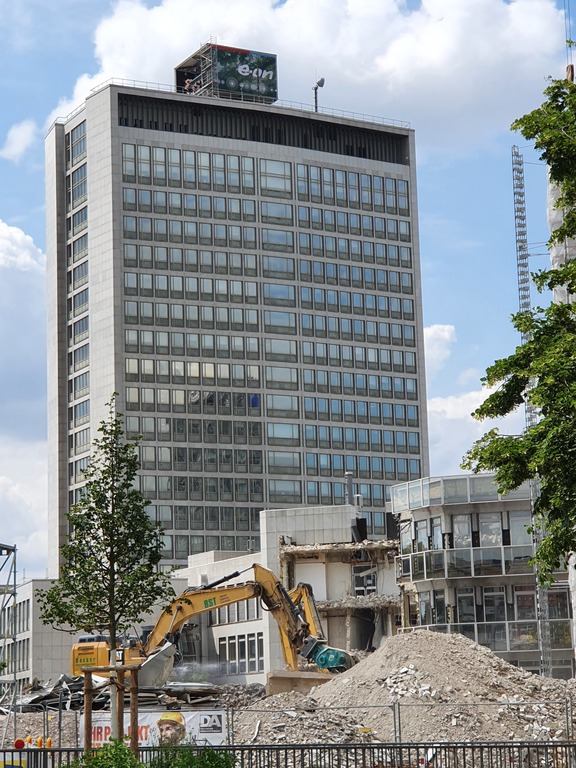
353, 583
464, 566
29, 648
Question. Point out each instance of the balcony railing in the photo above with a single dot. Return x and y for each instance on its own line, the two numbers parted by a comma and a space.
465, 563
508, 636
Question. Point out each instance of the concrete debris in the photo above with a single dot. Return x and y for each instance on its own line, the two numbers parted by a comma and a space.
442, 688
292, 718
359, 602
420, 687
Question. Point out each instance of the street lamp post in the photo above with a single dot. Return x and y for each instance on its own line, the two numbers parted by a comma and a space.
319, 84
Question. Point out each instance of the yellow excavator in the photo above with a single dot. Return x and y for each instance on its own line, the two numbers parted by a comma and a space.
295, 613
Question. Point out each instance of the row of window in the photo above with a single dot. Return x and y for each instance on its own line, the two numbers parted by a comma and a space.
236, 209
17, 656
182, 517
280, 433
269, 321
248, 264
180, 546
166, 371
246, 610
280, 406
277, 294
244, 209
15, 618
274, 490
177, 343
494, 604
200, 459
75, 144
486, 529
239, 404
241, 432
241, 654
223, 374
276, 178
182, 488
278, 462
275, 350
236, 236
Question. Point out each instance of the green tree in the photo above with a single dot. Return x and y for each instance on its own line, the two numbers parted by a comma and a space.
542, 372
109, 578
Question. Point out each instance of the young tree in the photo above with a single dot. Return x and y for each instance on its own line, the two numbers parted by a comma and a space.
542, 371
109, 579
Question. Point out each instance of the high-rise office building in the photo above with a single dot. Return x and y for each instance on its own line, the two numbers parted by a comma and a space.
246, 277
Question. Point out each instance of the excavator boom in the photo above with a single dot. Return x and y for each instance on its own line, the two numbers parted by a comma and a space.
295, 613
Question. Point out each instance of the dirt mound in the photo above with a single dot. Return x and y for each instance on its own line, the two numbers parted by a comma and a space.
448, 687
422, 686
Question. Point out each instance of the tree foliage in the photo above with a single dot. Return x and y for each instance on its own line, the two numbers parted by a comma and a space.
542, 371
109, 578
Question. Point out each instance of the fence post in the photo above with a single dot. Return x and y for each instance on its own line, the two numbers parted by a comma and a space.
397, 722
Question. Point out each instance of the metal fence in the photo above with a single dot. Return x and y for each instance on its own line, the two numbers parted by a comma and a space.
424, 755
388, 721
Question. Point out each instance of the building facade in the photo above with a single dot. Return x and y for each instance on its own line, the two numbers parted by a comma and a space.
464, 566
29, 648
246, 277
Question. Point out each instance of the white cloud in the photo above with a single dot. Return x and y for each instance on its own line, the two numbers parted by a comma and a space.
453, 430
17, 250
20, 137
438, 343
23, 480
469, 376
458, 72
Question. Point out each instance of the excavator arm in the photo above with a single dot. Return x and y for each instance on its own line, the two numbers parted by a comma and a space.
194, 602
295, 614
299, 623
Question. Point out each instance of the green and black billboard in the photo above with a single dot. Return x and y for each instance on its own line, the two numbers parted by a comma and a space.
249, 72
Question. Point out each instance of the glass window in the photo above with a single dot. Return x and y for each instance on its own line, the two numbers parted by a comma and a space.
519, 523
275, 178
490, 528
461, 527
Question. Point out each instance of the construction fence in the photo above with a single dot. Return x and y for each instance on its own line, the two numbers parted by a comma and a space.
445, 755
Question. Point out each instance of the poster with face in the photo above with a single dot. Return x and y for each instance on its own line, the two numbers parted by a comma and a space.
204, 727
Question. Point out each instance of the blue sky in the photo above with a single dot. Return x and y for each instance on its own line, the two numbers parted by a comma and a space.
459, 71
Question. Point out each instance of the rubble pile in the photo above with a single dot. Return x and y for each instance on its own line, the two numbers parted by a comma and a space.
240, 696
423, 686
443, 687
448, 688
63, 730
293, 718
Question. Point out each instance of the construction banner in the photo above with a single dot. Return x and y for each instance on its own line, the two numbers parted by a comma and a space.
165, 727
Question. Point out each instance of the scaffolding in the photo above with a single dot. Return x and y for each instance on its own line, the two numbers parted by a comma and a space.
201, 75
8, 684
531, 416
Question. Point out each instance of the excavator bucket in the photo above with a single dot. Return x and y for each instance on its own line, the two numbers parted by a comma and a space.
157, 668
